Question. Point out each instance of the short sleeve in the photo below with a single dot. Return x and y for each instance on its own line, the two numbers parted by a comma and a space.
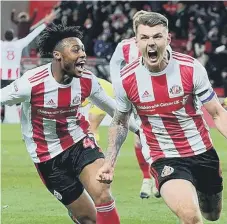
122, 101
17, 92
116, 63
95, 86
202, 86
31, 36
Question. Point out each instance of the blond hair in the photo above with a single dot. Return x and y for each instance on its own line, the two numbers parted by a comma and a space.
150, 19
136, 17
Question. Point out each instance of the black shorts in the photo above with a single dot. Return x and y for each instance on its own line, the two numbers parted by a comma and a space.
61, 173
202, 170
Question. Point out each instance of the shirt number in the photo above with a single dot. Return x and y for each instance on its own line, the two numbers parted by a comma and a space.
10, 55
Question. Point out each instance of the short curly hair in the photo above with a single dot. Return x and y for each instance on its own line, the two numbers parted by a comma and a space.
149, 19
52, 35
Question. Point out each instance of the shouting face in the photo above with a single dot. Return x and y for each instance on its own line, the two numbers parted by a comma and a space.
72, 56
152, 43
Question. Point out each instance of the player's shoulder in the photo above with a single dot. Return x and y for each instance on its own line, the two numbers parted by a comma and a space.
184, 59
126, 42
37, 75
130, 68
188, 61
129, 40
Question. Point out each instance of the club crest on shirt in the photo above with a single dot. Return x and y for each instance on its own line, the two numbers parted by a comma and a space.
76, 100
175, 90
167, 170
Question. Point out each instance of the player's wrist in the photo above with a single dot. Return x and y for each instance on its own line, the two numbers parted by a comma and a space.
109, 163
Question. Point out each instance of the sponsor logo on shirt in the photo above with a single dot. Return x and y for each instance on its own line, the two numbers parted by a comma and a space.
157, 105
53, 113
58, 111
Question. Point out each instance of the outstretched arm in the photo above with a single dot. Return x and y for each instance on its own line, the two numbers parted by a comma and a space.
117, 134
219, 115
17, 92
31, 36
207, 96
32, 19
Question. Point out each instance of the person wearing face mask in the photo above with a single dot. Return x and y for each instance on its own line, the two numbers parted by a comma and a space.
56, 133
167, 91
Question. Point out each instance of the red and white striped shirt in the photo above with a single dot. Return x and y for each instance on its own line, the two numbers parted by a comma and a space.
11, 51
168, 104
51, 122
125, 52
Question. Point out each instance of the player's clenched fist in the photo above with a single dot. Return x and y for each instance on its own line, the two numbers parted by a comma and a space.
105, 173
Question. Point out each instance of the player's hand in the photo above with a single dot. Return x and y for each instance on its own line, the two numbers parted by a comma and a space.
105, 173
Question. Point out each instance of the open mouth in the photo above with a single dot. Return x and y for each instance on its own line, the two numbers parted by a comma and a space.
80, 66
153, 55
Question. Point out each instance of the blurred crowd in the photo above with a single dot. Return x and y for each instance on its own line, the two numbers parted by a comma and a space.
198, 28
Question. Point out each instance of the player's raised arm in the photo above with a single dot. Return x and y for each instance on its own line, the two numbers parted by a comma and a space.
206, 94
17, 92
31, 36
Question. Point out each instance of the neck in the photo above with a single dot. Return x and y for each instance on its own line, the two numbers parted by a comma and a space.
59, 75
160, 65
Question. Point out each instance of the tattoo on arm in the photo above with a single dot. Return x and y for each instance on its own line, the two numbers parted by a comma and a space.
118, 131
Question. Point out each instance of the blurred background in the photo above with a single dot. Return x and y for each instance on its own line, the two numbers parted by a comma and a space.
198, 29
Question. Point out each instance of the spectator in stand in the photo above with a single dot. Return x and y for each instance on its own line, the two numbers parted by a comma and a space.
89, 34
23, 22
182, 21
103, 47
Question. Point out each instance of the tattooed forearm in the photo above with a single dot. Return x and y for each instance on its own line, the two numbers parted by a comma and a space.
118, 131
